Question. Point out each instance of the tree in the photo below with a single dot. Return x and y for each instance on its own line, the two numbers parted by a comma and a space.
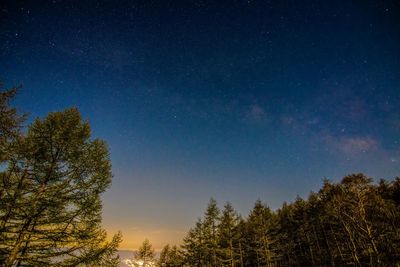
260, 228
210, 228
194, 246
10, 123
51, 207
389, 192
170, 257
145, 254
359, 208
351, 223
201, 243
228, 237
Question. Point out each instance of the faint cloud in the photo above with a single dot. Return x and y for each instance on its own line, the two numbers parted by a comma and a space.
313, 121
394, 121
255, 113
352, 145
353, 109
300, 126
287, 120
348, 100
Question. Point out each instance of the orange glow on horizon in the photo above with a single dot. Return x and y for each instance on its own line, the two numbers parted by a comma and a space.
132, 239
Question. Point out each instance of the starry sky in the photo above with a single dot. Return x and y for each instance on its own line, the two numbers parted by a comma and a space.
236, 100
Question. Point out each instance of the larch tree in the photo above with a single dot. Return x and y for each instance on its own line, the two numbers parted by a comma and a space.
164, 256
355, 205
260, 228
210, 233
194, 246
145, 254
170, 257
350, 223
389, 221
51, 188
229, 237
10, 123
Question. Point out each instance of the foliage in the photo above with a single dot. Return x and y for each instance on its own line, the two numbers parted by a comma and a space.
351, 223
145, 253
170, 257
50, 192
10, 123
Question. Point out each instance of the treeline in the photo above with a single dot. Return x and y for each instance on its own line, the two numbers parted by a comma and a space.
351, 223
51, 177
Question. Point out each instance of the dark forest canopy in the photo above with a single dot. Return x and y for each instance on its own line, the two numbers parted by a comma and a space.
351, 223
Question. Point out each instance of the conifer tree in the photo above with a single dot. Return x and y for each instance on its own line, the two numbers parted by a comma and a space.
356, 206
210, 233
10, 123
51, 207
194, 246
241, 241
228, 237
170, 257
164, 256
389, 221
145, 254
350, 223
260, 229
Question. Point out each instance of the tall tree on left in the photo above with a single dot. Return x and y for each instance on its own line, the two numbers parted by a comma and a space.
10, 123
51, 183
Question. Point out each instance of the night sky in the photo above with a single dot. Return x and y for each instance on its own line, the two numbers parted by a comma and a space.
196, 99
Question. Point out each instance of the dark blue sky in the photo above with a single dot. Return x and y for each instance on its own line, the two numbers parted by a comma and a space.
197, 99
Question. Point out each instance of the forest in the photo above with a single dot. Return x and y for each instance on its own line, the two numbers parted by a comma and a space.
351, 223
53, 174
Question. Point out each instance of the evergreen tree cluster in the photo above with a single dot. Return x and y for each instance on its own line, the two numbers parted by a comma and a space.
51, 179
351, 223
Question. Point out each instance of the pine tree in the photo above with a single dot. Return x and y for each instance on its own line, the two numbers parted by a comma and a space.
241, 241
194, 246
145, 254
210, 228
228, 237
170, 257
350, 223
10, 123
356, 205
51, 207
164, 256
389, 221
261, 223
